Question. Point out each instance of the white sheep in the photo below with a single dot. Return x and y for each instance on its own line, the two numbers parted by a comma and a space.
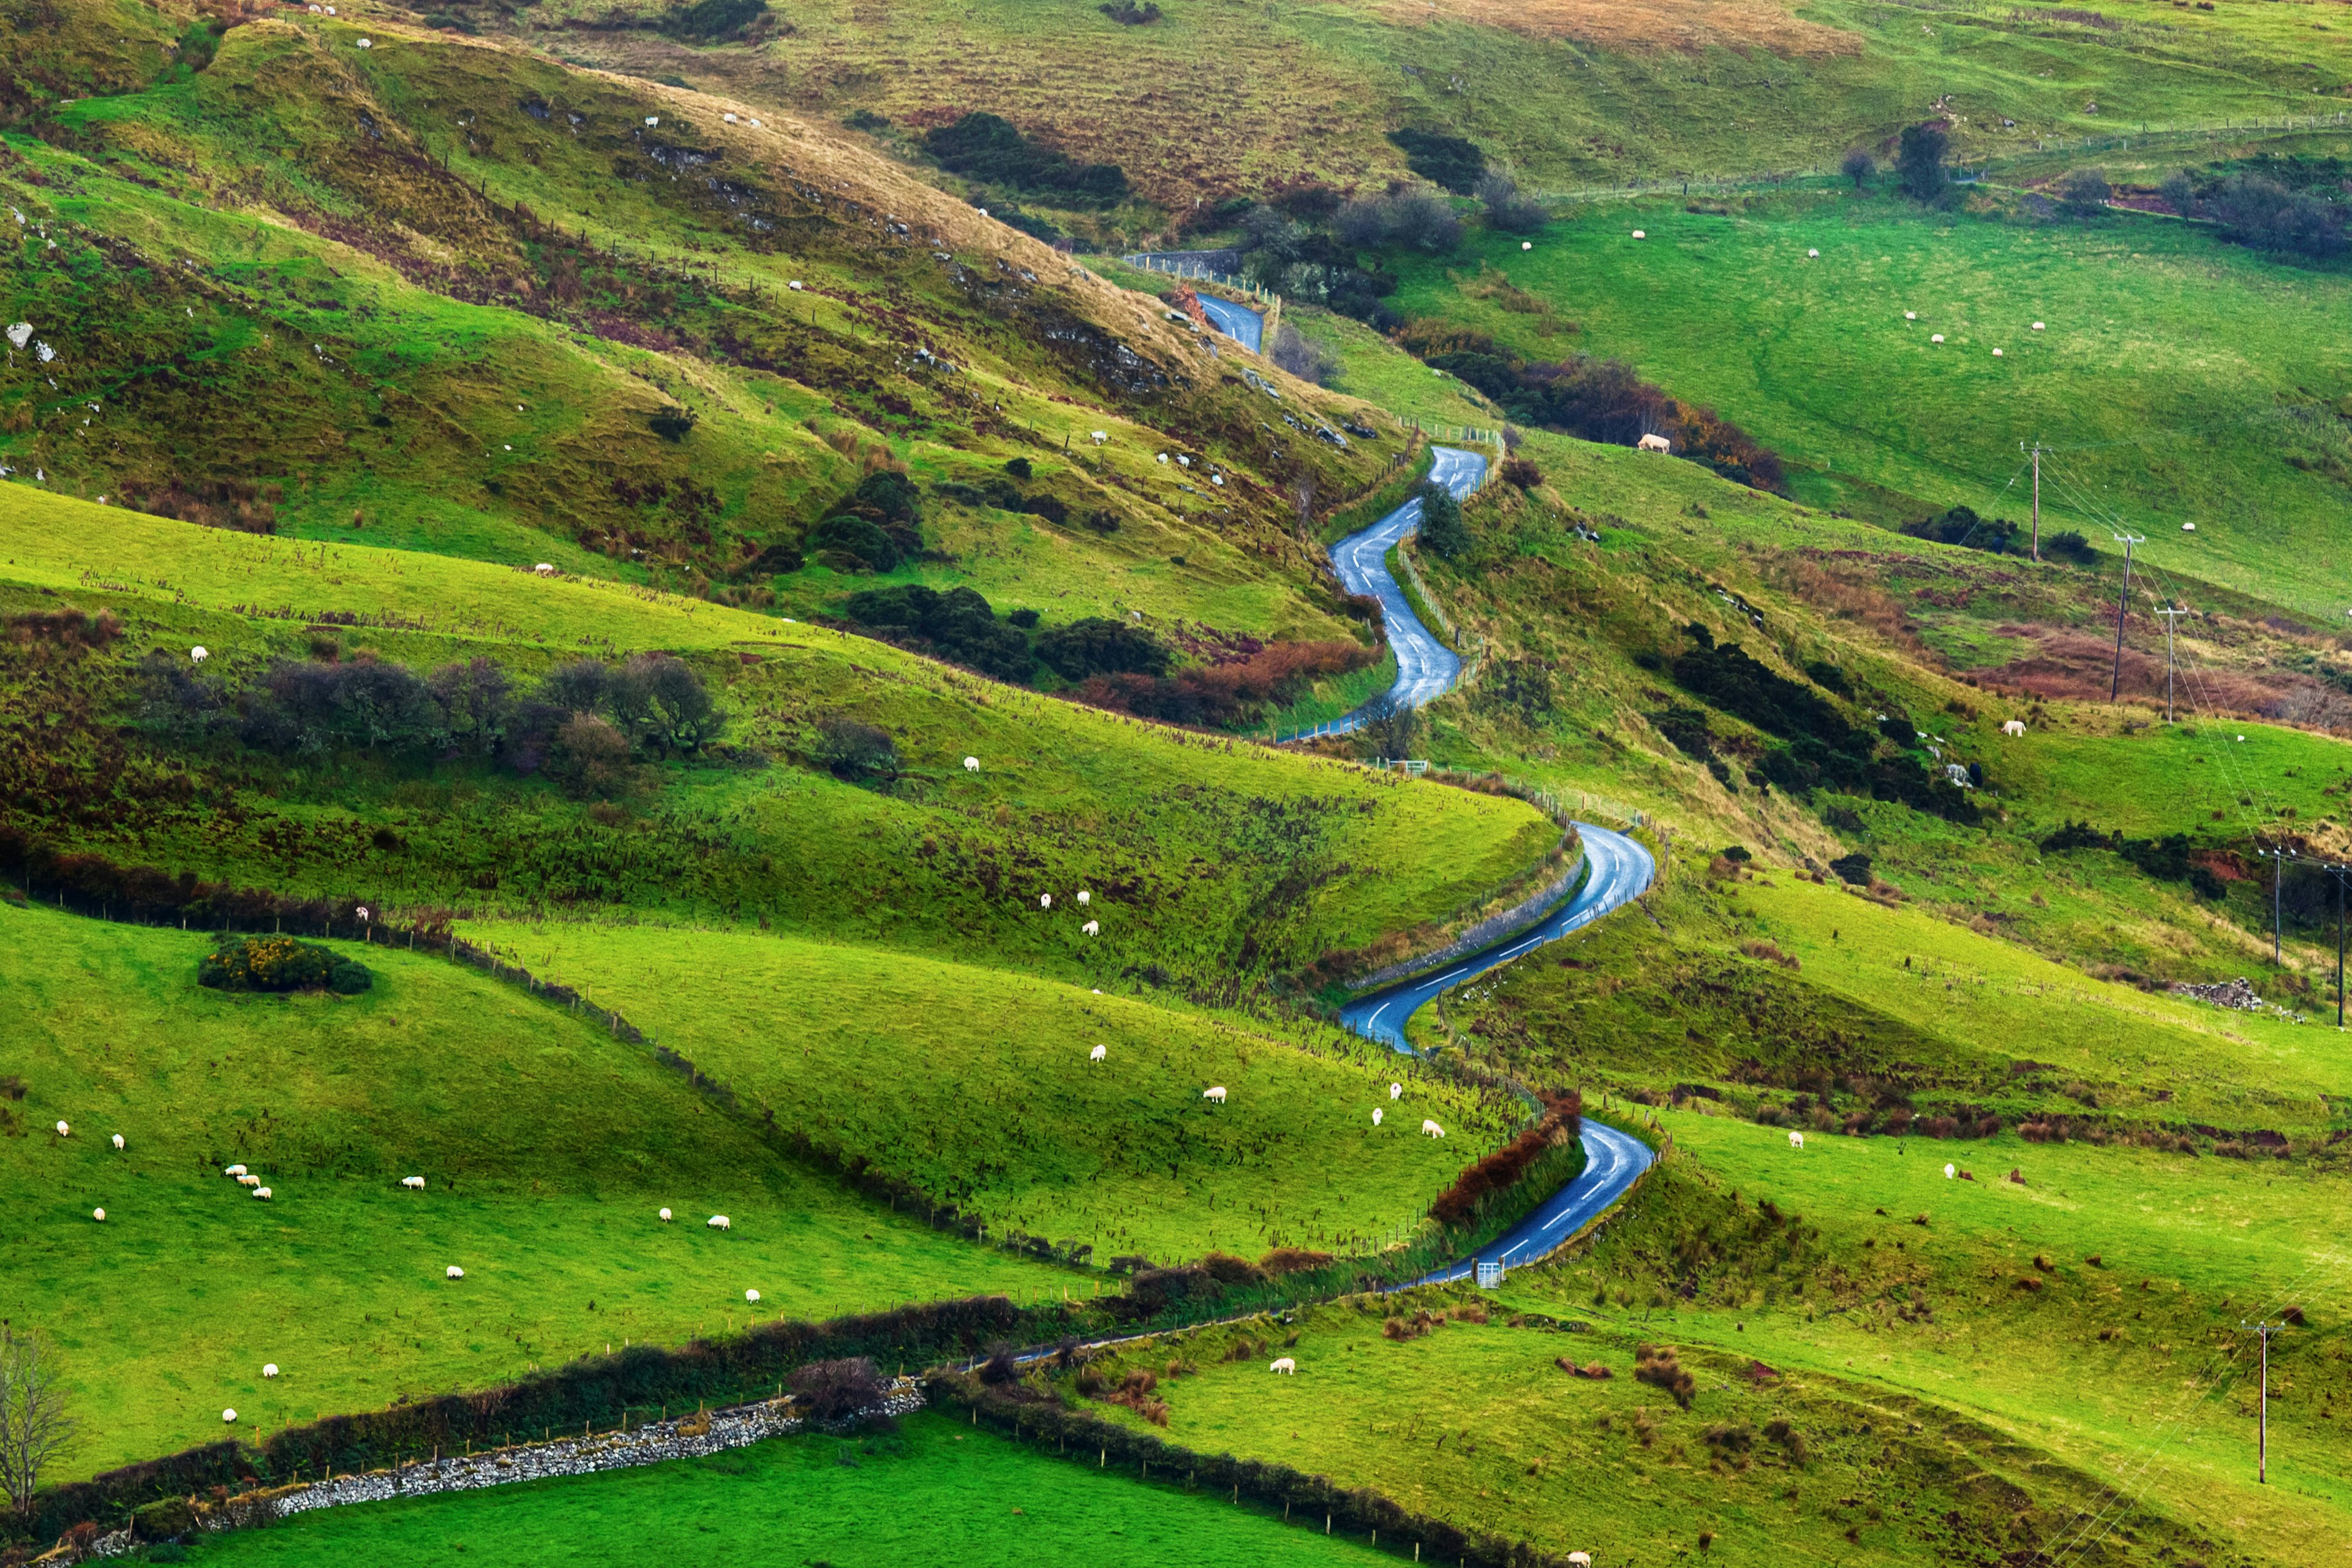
1910, 315
1812, 256
719, 1221
367, 43
1085, 896
1950, 1171
1163, 457
1092, 928
665, 1217
2188, 528
229, 1417
413, 1184
1579, 1560
118, 1141
1934, 337
233, 1170
99, 1214
544, 569
753, 1296
2014, 727
1796, 1140
1396, 1092
64, 1130
728, 117
1996, 354
1377, 1114
796, 285
454, 1272
1099, 437
248, 1180
270, 1368
1098, 1053
1527, 244
1653, 442
971, 765
198, 654
261, 1192
1431, 1128
653, 120
1287, 1366
1640, 234
1217, 1093
2037, 326
1044, 901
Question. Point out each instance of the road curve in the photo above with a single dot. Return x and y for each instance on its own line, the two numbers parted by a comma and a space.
1239, 322
1621, 869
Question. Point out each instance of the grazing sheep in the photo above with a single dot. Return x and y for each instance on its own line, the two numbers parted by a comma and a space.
1396, 1092
412, 1182
1099, 436
971, 765
1996, 354
1163, 457
728, 117
1431, 1128
118, 1141
64, 1130
1579, 1560
2188, 528
1287, 1366
198, 654
248, 1180
229, 1417
1796, 1140
1910, 315
1934, 337
1377, 1114
1959, 775
454, 1272
99, 1214
750, 1296
1092, 928
1044, 901
1654, 444
544, 569
1812, 256
1950, 1171
1098, 1053
270, 1368
261, 1192
1216, 1093
1527, 244
1640, 234
2037, 326
233, 1170
2014, 727
1085, 896
719, 1221
665, 1217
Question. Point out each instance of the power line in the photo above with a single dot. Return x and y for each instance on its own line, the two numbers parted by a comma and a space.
2116, 676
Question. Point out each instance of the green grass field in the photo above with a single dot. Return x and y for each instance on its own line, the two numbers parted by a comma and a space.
977, 1088
2208, 400
548, 1149
930, 1493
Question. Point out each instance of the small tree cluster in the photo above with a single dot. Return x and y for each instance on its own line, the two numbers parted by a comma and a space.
280, 963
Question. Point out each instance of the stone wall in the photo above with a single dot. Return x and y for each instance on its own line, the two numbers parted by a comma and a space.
1495, 927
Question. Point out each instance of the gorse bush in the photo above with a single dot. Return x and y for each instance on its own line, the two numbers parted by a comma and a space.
989, 149
280, 963
956, 626
1100, 646
1442, 532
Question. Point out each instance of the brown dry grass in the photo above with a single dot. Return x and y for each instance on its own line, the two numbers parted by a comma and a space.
1690, 26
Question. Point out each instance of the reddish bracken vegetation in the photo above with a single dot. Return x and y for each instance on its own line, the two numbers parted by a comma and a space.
1562, 1123
1224, 695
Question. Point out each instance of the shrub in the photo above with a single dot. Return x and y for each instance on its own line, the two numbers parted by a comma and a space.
1521, 473
1858, 167
2070, 543
1453, 162
2260, 212
855, 751
1779, 1431
2085, 192
672, 424
1417, 219
1287, 1260
706, 21
1562, 1123
833, 1390
280, 963
985, 147
1225, 694
66, 627
1100, 646
1128, 14
1227, 1269
1506, 209
958, 625
854, 543
590, 757
1293, 352
1661, 1370
1442, 531
1919, 161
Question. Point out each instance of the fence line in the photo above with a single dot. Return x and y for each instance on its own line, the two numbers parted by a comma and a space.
1149, 262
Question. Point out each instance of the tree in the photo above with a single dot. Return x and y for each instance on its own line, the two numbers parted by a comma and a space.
1859, 166
2179, 191
1442, 532
33, 1424
835, 1390
855, 751
1507, 208
1391, 727
1919, 161
2085, 192
678, 713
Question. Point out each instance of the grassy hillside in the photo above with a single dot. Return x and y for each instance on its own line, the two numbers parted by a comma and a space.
928, 1493
977, 1088
2212, 400
469, 300
1218, 864
1207, 101
547, 1148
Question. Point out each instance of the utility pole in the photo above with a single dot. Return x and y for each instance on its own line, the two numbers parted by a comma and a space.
2338, 872
2115, 679
2263, 1450
2170, 615
2278, 858
2037, 497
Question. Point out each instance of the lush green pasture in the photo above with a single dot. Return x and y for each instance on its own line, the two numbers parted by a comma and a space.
1477, 1423
2181, 407
547, 1148
1215, 858
930, 1493
2125, 1362
977, 1087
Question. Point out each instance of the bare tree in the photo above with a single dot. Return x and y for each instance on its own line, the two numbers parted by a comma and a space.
33, 1421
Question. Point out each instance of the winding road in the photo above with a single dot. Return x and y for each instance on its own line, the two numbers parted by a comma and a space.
1620, 868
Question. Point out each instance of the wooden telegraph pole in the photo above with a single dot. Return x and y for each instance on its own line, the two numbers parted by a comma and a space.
2262, 1440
